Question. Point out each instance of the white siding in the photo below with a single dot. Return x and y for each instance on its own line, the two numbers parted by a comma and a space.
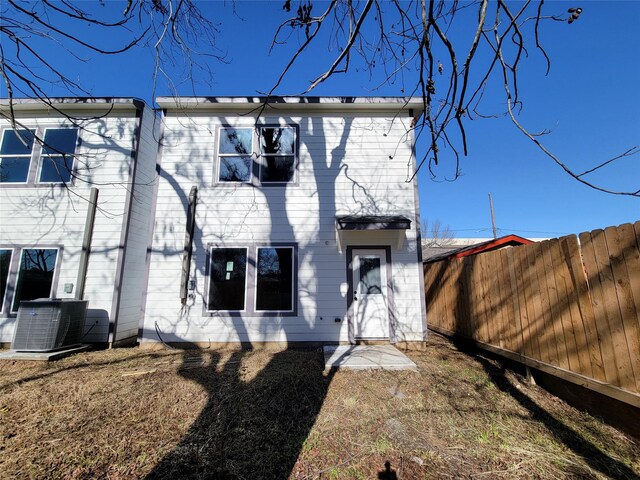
44, 216
354, 164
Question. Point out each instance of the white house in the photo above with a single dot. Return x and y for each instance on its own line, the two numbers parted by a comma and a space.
285, 221
76, 184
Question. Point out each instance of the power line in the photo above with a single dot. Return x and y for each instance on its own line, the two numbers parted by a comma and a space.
504, 230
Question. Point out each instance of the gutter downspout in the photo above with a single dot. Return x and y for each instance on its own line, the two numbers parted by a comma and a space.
188, 244
86, 244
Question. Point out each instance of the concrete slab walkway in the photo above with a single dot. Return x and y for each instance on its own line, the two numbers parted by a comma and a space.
362, 357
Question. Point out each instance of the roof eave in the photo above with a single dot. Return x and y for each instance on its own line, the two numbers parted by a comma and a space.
62, 104
319, 104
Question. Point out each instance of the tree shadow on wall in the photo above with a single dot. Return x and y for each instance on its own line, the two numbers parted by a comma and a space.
261, 407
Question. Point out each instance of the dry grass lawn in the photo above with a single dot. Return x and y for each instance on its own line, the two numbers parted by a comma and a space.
132, 413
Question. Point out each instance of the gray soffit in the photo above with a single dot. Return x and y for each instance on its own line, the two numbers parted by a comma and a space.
373, 222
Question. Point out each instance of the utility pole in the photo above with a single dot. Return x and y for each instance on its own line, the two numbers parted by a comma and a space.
493, 218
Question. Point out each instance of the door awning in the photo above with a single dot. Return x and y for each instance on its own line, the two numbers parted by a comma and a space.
349, 228
373, 222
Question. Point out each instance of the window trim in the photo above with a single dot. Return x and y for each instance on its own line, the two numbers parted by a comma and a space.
256, 156
211, 247
250, 282
35, 160
42, 156
5, 294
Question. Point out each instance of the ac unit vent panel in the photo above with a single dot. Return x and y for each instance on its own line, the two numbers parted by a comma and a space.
49, 324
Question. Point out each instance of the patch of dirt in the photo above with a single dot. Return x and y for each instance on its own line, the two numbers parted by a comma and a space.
133, 413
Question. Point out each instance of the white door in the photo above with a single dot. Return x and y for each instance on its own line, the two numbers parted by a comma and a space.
371, 313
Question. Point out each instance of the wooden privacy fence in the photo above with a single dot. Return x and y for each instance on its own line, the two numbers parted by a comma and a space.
568, 307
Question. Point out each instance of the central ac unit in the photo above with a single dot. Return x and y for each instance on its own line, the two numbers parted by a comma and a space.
49, 324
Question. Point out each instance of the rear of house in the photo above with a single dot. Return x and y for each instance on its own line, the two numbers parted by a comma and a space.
51, 160
288, 221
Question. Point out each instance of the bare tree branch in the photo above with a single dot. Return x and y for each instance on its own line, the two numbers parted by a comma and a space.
406, 38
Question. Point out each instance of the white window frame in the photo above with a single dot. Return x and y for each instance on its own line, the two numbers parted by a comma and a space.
17, 276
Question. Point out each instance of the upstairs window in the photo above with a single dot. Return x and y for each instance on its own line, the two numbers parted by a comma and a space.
234, 154
278, 153
23, 161
265, 155
15, 155
57, 155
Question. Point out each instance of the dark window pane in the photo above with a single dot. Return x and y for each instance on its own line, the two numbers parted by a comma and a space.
60, 140
18, 142
227, 273
275, 279
236, 140
235, 169
14, 169
56, 169
5, 261
277, 169
370, 282
278, 141
35, 277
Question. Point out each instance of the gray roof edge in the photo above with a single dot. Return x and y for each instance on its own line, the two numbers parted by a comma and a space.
84, 103
337, 102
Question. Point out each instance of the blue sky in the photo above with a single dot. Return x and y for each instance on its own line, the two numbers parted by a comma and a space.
590, 101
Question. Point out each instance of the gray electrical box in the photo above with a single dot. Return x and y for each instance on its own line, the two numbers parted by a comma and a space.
48, 324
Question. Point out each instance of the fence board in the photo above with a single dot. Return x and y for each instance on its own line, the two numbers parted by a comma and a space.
494, 322
556, 291
520, 260
478, 301
434, 292
502, 304
493, 296
465, 289
509, 311
541, 326
452, 296
506, 302
468, 301
533, 303
457, 284
571, 248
